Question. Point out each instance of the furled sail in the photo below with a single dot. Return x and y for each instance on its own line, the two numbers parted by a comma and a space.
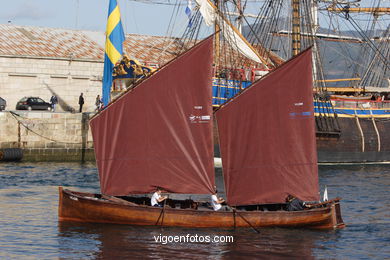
237, 41
160, 132
267, 138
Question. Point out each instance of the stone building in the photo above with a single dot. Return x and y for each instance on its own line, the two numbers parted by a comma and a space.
42, 61
38, 61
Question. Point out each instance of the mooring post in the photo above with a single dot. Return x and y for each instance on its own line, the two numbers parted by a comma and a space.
84, 134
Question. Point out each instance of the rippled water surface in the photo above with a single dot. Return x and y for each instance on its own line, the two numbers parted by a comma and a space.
30, 230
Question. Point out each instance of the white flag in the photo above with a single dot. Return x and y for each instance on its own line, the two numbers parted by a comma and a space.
325, 197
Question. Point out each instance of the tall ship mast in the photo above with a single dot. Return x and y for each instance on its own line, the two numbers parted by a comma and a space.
350, 63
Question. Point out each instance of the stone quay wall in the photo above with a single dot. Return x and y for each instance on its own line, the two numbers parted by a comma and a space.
47, 136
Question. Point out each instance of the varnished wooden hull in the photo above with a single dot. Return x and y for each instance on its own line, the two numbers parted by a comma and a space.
84, 207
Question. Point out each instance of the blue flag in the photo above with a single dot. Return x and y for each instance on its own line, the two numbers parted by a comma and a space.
114, 47
189, 13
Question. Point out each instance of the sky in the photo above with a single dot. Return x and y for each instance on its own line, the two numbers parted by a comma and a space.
140, 18
86, 15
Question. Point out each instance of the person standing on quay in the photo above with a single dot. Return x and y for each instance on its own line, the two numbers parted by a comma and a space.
53, 101
81, 102
98, 103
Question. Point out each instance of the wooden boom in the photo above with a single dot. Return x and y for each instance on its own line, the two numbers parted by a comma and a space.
374, 10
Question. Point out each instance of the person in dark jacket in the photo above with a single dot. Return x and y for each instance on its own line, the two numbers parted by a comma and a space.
295, 204
54, 102
81, 102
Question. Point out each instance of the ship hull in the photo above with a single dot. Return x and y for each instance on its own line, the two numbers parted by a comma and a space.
361, 140
87, 207
329, 157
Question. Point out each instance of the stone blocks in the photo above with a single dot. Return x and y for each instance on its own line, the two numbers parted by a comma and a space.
45, 132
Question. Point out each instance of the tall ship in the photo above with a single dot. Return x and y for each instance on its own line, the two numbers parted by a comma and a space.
350, 42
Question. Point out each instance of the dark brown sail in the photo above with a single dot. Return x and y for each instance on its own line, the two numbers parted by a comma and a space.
160, 133
267, 138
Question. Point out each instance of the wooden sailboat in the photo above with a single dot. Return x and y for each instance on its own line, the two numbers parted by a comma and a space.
94, 208
143, 142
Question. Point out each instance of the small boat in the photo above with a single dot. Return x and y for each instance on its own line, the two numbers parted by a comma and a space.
143, 141
95, 208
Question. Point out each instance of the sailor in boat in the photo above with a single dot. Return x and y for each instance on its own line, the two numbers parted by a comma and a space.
295, 204
157, 198
216, 202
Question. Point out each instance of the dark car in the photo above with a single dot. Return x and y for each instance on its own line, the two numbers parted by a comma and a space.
3, 104
32, 103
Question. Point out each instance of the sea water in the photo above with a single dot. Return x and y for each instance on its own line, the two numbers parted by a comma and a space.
30, 229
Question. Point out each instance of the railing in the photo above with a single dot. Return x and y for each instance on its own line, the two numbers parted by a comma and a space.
246, 74
361, 104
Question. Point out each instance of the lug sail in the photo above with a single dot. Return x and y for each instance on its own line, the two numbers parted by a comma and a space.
267, 138
160, 132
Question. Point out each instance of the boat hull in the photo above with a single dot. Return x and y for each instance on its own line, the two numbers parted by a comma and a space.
85, 207
362, 140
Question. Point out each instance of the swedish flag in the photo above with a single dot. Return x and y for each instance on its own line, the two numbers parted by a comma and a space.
114, 47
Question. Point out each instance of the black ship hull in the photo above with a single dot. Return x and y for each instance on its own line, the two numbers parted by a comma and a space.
361, 140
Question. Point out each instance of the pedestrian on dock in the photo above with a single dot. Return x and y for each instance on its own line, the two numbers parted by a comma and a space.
81, 102
54, 102
98, 103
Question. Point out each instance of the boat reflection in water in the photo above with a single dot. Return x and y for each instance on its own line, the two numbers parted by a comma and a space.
120, 242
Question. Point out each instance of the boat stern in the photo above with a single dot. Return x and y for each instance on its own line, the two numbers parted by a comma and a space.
60, 197
337, 220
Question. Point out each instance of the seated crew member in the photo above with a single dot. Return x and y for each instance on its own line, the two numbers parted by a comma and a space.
216, 202
295, 204
156, 199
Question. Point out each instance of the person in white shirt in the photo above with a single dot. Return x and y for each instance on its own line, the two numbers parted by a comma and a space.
216, 202
157, 198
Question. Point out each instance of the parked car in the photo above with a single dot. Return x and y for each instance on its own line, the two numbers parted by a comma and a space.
32, 103
3, 104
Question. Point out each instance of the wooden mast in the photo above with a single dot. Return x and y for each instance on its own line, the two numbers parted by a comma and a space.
296, 28
217, 40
